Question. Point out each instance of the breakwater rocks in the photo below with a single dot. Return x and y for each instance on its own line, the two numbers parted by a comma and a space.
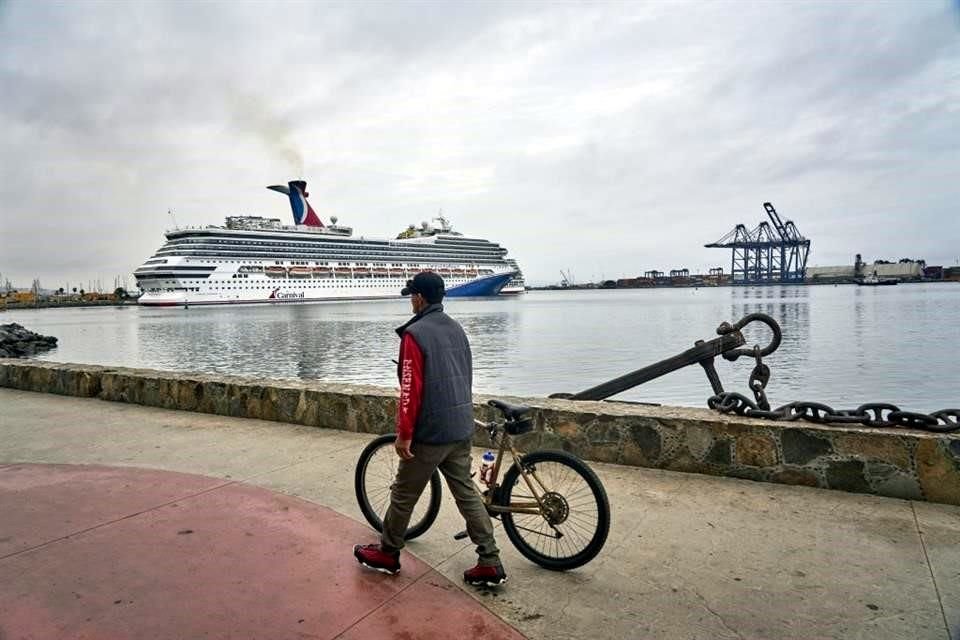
17, 342
899, 463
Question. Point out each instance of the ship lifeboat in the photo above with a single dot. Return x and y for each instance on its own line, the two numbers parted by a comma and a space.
398, 272
301, 272
322, 269
459, 272
471, 272
380, 271
444, 271
275, 271
343, 271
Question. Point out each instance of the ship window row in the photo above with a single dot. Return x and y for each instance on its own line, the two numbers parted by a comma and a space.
384, 254
207, 271
314, 241
327, 243
174, 268
433, 264
338, 245
467, 243
333, 255
286, 242
340, 250
217, 257
168, 274
171, 287
393, 265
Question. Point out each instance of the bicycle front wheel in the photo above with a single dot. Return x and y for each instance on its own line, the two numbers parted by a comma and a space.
575, 520
373, 478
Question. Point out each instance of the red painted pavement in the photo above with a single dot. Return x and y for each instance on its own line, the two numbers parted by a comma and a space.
106, 552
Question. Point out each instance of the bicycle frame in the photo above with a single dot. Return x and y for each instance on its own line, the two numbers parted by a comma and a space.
533, 508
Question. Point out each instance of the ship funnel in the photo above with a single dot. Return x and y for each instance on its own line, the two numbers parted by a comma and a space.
303, 213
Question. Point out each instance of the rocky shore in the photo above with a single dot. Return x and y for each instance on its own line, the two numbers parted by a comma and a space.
17, 342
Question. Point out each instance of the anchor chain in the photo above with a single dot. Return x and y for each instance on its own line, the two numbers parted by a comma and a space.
730, 346
759, 378
873, 414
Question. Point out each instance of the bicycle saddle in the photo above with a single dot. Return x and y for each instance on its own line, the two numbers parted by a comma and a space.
511, 411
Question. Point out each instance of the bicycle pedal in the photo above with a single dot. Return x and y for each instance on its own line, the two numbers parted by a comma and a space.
461, 535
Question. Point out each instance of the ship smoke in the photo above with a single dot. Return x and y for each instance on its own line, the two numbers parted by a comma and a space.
256, 117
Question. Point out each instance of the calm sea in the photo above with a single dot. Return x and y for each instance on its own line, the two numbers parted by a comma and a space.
842, 345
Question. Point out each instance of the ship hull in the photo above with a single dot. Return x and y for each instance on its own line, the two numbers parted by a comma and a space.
293, 291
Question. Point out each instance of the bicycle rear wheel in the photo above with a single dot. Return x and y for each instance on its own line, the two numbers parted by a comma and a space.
577, 520
376, 470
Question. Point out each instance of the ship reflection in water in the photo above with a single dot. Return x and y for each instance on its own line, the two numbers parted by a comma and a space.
842, 345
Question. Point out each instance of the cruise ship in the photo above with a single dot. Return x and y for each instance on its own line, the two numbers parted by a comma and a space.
260, 260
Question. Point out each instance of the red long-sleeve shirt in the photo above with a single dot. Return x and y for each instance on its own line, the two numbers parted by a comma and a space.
411, 386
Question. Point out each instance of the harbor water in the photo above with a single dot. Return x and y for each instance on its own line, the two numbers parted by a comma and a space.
842, 345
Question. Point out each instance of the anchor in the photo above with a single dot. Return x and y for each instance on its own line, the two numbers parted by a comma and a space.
729, 345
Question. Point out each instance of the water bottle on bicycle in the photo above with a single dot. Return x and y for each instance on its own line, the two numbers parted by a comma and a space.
486, 468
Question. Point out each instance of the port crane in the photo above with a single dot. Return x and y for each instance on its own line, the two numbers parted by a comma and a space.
767, 254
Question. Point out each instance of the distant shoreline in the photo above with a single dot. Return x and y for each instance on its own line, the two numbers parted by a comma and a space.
597, 287
67, 304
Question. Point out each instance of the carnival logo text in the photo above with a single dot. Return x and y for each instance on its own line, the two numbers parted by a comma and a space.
276, 294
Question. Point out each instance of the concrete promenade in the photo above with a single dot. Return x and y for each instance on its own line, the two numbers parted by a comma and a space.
689, 556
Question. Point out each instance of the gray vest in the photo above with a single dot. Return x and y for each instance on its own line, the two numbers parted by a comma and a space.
446, 410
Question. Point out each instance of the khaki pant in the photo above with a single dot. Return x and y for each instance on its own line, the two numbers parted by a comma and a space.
453, 461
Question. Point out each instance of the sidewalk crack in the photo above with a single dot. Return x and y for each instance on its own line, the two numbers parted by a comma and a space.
298, 462
706, 605
384, 603
933, 578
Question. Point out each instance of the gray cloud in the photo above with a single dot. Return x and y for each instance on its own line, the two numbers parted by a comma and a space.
603, 138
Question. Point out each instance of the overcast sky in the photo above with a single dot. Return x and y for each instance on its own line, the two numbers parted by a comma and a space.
603, 138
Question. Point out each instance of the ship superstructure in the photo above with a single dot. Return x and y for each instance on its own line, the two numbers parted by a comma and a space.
254, 259
516, 284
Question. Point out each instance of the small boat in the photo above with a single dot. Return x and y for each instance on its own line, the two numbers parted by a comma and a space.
875, 281
397, 272
301, 272
343, 271
444, 271
275, 271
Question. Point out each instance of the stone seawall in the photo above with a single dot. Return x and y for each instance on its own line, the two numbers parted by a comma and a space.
898, 463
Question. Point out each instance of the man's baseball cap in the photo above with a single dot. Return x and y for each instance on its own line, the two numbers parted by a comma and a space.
426, 283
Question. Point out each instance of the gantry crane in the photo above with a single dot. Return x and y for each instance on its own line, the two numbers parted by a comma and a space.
767, 254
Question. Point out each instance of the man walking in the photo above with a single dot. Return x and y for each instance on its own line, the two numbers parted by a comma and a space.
434, 431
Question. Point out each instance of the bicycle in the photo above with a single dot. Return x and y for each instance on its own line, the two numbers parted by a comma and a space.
570, 523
